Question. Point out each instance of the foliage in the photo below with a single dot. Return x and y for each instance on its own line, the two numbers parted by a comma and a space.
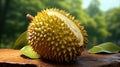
107, 47
101, 26
29, 52
97, 25
93, 9
21, 41
113, 19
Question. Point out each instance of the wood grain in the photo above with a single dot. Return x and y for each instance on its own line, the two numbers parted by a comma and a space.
13, 58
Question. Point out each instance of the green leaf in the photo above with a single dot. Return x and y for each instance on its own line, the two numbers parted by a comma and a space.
29, 52
107, 47
21, 40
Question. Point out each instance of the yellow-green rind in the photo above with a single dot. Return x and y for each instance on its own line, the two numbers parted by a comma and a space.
53, 39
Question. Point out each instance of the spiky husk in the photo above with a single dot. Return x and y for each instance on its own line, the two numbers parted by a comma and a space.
53, 39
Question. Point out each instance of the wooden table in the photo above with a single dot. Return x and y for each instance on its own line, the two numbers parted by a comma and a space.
13, 58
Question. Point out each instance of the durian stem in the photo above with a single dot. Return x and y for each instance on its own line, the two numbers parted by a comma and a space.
30, 17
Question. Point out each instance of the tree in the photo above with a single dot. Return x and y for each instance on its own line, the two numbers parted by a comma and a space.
97, 30
12, 20
3, 12
113, 19
93, 9
97, 26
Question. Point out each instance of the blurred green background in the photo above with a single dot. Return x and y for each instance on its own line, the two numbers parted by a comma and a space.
102, 26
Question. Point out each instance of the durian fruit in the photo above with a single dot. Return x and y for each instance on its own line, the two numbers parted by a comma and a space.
56, 35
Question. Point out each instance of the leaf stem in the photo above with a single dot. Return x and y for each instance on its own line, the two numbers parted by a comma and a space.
30, 17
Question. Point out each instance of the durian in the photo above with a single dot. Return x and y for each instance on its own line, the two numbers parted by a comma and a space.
56, 35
